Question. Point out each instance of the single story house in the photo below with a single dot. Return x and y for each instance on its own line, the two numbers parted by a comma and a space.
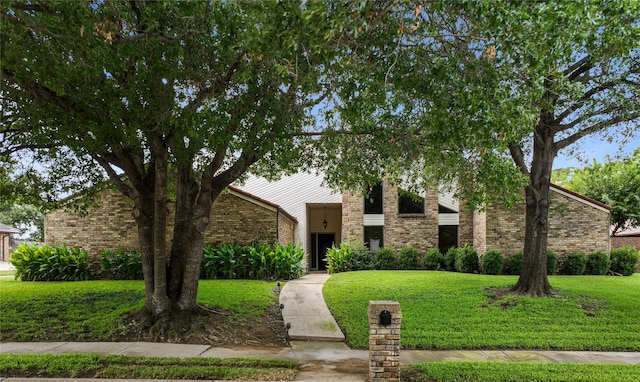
236, 216
5, 241
301, 209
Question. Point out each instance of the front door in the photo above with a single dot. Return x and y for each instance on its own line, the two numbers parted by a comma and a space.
320, 243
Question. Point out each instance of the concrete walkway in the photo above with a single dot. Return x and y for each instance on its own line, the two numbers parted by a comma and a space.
306, 312
317, 344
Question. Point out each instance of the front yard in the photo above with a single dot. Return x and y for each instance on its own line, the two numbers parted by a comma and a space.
444, 310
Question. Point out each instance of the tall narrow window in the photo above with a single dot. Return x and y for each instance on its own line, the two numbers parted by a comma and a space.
373, 200
373, 237
410, 203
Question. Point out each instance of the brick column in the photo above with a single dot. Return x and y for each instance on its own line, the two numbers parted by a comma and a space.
384, 342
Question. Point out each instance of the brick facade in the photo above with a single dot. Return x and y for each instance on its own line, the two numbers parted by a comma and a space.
573, 226
400, 230
234, 218
576, 224
352, 215
415, 230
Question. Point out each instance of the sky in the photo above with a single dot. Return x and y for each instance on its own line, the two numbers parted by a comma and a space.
593, 147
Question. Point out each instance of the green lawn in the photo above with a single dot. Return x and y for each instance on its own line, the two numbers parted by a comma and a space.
445, 310
117, 366
525, 372
93, 310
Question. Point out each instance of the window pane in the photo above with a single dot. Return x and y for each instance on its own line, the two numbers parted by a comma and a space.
373, 236
409, 203
448, 237
373, 201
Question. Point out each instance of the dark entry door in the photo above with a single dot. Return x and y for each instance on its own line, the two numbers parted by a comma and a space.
320, 242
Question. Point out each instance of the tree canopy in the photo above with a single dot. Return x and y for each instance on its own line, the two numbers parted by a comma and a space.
616, 183
474, 92
165, 99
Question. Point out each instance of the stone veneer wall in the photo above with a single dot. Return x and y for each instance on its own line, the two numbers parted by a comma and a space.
573, 226
480, 231
352, 215
233, 219
286, 229
415, 230
466, 225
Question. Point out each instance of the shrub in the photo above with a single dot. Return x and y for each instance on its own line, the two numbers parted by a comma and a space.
575, 263
45, 263
624, 260
552, 262
121, 264
385, 259
598, 263
433, 259
515, 263
466, 259
450, 259
253, 261
361, 259
338, 258
492, 262
408, 258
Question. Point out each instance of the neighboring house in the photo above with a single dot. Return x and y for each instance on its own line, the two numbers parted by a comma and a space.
5, 241
236, 216
629, 237
318, 217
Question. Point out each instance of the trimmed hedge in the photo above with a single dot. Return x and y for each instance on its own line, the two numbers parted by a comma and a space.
575, 264
433, 260
492, 262
385, 259
467, 260
450, 259
624, 260
598, 263
408, 258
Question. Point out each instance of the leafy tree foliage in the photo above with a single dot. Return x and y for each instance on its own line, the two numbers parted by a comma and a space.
25, 218
167, 99
616, 183
476, 91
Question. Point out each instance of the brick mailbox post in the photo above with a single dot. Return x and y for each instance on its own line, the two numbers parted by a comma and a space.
384, 341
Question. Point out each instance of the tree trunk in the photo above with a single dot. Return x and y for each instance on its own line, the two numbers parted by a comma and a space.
533, 279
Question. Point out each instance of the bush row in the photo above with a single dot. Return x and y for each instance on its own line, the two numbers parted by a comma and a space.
229, 261
44, 263
354, 256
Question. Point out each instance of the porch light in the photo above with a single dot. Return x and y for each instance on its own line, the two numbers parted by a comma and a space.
324, 222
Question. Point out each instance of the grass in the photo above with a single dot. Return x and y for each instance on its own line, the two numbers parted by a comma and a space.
445, 310
117, 366
94, 310
513, 372
7, 273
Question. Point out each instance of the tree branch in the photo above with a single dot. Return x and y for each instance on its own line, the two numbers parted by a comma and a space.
585, 97
518, 158
595, 128
124, 188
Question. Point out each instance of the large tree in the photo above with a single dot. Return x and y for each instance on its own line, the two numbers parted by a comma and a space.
484, 94
167, 100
